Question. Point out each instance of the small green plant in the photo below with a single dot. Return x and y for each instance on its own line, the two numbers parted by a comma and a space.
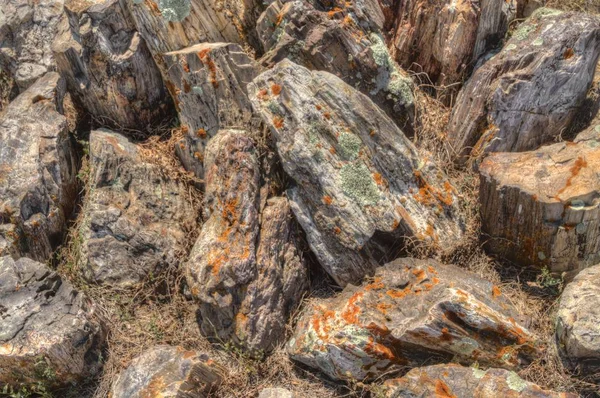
547, 280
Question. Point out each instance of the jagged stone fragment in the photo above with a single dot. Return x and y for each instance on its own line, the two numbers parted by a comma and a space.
360, 184
336, 42
136, 218
527, 94
108, 67
208, 83
169, 372
38, 171
452, 380
412, 312
49, 334
543, 207
245, 269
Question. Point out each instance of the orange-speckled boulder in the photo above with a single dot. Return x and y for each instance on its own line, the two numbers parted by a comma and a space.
412, 312
169, 372
245, 269
453, 380
543, 207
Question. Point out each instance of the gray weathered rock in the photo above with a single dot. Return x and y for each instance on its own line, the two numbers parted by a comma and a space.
361, 185
38, 171
108, 67
336, 42
543, 207
578, 321
276, 393
244, 270
136, 218
27, 29
208, 83
48, 331
413, 312
452, 380
169, 372
528, 93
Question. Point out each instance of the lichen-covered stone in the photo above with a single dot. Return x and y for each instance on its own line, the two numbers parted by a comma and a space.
543, 207
245, 269
527, 94
360, 184
49, 334
169, 372
412, 312
452, 380
108, 67
338, 42
136, 218
38, 171
208, 83
276, 393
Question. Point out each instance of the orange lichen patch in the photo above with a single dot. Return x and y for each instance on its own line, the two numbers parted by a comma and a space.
185, 66
216, 262
278, 122
419, 274
198, 156
496, 291
442, 390
350, 313
378, 350
153, 6
241, 318
348, 20
568, 53
321, 322
429, 195
372, 133
155, 388
377, 284
379, 180
327, 115
327, 200
383, 307
337, 230
276, 89
229, 211
332, 13
319, 107
212, 68
431, 270
186, 87
332, 150
201, 133
580, 163
398, 294
279, 19
263, 94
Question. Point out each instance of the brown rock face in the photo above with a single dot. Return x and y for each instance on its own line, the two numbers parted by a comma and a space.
528, 93
108, 67
445, 38
414, 311
457, 381
244, 270
542, 207
208, 83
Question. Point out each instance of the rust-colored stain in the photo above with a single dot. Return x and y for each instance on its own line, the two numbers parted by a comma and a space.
580, 163
186, 86
569, 53
327, 200
201, 133
204, 56
496, 291
442, 390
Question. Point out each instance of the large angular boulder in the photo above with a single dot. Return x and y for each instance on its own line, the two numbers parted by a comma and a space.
578, 321
457, 381
336, 42
48, 331
529, 92
412, 312
245, 269
169, 372
542, 207
27, 29
208, 83
445, 38
136, 217
107, 66
38, 164
361, 185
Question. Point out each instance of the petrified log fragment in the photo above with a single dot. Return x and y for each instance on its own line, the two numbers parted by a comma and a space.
361, 185
413, 312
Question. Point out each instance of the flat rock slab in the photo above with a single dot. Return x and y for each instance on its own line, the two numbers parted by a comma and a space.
361, 185
245, 269
412, 312
38, 171
208, 84
48, 331
526, 95
136, 218
542, 207
169, 372
457, 381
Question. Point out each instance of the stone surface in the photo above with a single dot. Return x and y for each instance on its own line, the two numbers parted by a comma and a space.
136, 218
169, 372
412, 312
107, 66
360, 183
528, 93
337, 42
445, 38
208, 83
48, 331
276, 393
38, 164
27, 29
457, 381
542, 207
578, 321
245, 269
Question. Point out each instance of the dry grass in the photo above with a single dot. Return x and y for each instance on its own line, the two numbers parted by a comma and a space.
575, 5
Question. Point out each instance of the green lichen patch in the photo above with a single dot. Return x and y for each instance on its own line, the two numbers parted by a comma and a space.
524, 31
197, 90
174, 10
358, 184
545, 12
538, 42
465, 346
381, 55
349, 146
515, 383
478, 373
